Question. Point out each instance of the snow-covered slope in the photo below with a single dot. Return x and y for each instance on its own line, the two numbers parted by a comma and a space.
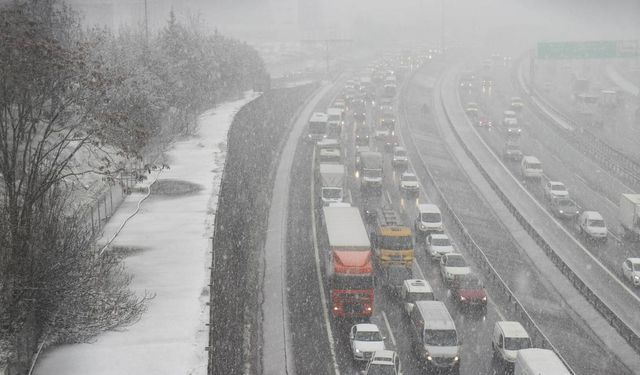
170, 242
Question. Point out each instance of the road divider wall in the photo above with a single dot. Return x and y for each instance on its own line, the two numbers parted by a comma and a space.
254, 142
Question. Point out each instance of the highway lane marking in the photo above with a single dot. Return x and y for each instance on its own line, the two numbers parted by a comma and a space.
415, 263
386, 322
586, 184
388, 196
495, 307
580, 178
323, 297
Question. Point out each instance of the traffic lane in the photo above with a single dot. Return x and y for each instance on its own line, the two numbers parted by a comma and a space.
534, 291
382, 301
474, 328
311, 348
589, 194
310, 342
618, 130
473, 325
539, 128
611, 254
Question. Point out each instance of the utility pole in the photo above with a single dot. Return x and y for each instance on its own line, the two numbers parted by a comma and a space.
442, 28
146, 23
326, 46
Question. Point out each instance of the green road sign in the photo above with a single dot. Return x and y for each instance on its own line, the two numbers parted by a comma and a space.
588, 50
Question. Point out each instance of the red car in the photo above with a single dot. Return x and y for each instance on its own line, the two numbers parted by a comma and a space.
469, 292
484, 122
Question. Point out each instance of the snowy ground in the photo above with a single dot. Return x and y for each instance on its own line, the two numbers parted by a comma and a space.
171, 238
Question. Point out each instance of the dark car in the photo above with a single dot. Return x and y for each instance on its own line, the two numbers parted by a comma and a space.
469, 292
394, 277
511, 152
564, 208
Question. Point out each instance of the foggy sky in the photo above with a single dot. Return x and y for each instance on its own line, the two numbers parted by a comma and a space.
466, 21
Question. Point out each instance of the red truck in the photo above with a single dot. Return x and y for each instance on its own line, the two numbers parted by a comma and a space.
351, 266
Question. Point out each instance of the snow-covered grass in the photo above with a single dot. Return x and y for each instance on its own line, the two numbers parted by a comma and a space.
170, 242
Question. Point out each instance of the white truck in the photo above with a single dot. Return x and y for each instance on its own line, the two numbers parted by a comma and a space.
629, 215
539, 362
331, 183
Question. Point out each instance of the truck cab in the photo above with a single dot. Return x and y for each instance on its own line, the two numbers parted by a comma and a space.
392, 241
317, 127
331, 183
370, 165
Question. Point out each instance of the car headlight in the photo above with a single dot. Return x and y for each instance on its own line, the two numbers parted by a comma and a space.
423, 227
561, 211
636, 278
429, 358
456, 358
462, 298
357, 350
484, 299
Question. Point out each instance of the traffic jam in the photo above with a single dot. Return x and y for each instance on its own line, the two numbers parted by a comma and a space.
369, 240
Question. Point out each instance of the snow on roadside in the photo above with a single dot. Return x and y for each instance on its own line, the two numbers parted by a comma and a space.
171, 241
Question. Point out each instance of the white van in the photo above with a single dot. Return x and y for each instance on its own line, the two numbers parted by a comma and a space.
507, 339
539, 362
530, 167
434, 336
414, 290
429, 219
591, 225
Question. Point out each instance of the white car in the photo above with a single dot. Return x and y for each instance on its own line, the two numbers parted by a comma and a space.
409, 182
472, 109
382, 133
384, 362
438, 244
452, 267
429, 219
516, 103
555, 189
631, 270
365, 339
399, 157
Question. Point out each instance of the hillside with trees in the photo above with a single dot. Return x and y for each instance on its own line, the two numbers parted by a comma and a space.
81, 104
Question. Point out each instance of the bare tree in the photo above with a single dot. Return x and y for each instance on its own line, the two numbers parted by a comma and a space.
54, 109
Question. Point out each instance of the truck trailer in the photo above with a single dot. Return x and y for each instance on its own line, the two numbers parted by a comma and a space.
629, 215
350, 268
